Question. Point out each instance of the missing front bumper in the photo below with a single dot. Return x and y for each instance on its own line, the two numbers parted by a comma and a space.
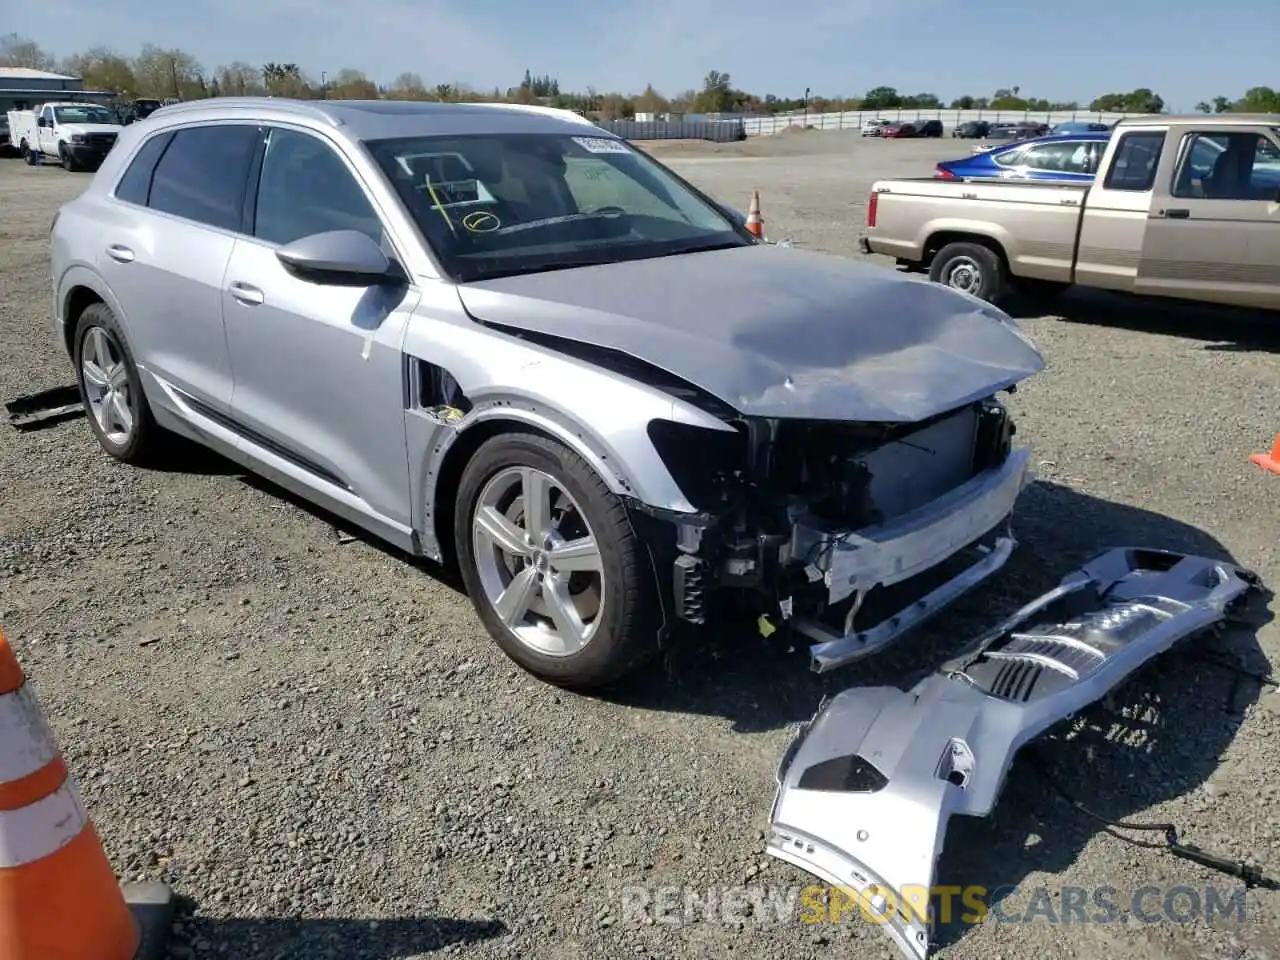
906, 547
868, 786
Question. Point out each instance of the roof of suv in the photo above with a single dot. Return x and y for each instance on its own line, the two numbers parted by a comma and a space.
377, 119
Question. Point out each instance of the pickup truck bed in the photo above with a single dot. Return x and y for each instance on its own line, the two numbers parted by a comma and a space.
1183, 208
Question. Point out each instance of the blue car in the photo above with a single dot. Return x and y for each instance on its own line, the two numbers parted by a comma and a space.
1070, 158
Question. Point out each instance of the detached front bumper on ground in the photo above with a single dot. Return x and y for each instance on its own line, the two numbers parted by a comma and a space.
868, 786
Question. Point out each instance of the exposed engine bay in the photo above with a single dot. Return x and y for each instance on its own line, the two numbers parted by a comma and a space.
813, 519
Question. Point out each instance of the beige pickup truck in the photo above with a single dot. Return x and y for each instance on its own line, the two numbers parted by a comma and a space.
1182, 206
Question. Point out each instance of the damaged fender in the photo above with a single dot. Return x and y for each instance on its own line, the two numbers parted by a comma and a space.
867, 788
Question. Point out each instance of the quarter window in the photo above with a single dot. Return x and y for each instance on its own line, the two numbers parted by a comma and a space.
306, 188
1064, 157
1137, 155
202, 175
135, 185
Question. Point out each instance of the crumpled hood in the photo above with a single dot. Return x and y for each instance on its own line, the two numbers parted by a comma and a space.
72, 128
778, 332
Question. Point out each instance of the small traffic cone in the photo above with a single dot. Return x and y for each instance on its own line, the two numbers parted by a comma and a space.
755, 223
59, 899
1269, 461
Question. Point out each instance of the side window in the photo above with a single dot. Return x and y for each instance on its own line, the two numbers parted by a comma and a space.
1227, 166
1136, 157
1010, 158
306, 188
47, 114
1054, 157
135, 185
202, 175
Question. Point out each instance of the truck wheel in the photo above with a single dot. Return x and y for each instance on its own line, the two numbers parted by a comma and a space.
970, 267
111, 390
31, 156
68, 162
551, 562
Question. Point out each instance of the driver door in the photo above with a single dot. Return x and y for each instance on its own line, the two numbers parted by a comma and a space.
45, 134
318, 377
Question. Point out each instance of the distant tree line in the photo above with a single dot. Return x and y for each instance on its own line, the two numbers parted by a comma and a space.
162, 72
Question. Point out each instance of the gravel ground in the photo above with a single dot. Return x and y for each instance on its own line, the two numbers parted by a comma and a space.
316, 745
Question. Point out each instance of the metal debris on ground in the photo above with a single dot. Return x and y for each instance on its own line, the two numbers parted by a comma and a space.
44, 408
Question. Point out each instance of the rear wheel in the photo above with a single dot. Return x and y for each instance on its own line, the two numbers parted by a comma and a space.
31, 156
970, 267
111, 390
551, 562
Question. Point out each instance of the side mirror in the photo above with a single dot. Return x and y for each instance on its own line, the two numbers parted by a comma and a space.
42, 121
341, 258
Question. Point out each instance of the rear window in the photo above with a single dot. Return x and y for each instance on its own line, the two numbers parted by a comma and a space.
1137, 155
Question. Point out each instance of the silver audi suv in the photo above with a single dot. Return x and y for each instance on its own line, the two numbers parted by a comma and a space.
502, 337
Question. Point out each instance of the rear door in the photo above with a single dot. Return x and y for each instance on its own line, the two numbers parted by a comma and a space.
164, 255
1214, 232
1116, 210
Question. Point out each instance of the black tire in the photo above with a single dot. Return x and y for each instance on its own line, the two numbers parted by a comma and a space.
68, 162
31, 156
980, 265
628, 635
145, 441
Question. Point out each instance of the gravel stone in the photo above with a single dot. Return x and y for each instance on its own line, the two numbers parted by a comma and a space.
318, 747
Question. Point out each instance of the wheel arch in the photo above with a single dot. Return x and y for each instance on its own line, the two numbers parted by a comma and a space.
79, 288
941, 238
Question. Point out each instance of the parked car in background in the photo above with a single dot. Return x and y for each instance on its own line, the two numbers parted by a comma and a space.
503, 338
1183, 207
928, 128
1067, 159
139, 109
999, 133
874, 127
971, 129
899, 130
1080, 126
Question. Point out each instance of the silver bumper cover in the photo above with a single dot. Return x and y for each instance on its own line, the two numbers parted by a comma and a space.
867, 788
905, 547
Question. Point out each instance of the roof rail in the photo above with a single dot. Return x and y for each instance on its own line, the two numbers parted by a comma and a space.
282, 104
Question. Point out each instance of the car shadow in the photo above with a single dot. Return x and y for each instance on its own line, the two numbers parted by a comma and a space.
1220, 328
266, 938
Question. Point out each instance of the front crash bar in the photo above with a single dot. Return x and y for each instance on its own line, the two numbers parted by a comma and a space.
867, 788
835, 649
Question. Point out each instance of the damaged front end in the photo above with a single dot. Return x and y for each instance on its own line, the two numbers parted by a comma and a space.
848, 533
867, 788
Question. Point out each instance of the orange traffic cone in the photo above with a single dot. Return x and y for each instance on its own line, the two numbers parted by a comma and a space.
755, 223
59, 899
1269, 461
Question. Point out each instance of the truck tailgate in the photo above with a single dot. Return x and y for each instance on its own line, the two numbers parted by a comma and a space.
1034, 223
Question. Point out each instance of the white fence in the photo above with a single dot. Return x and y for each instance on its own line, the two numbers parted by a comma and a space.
853, 119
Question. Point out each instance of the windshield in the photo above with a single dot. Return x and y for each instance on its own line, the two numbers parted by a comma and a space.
496, 205
84, 113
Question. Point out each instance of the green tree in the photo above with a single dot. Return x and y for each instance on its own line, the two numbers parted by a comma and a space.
716, 95
168, 73
408, 86
1259, 100
650, 101
102, 69
1142, 100
881, 98
239, 79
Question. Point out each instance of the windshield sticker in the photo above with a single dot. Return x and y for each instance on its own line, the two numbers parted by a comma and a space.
601, 145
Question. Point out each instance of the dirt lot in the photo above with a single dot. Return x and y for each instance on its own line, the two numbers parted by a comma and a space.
315, 743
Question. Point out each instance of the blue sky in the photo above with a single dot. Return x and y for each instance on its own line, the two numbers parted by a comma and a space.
1068, 50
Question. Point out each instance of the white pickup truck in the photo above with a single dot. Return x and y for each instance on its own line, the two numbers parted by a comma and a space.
77, 135
1181, 207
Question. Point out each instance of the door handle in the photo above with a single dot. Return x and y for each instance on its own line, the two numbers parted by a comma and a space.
121, 253
1182, 213
246, 293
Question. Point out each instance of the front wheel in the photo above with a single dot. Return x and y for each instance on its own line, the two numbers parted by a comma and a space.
68, 162
972, 268
551, 562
